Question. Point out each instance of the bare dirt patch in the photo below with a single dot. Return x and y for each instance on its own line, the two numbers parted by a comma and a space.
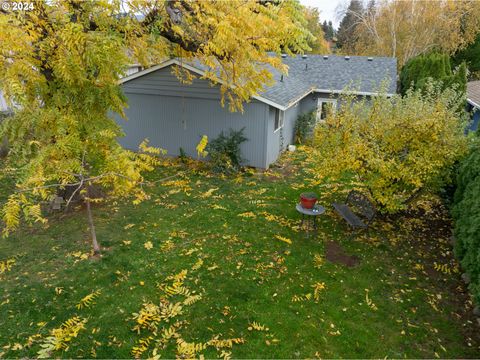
337, 255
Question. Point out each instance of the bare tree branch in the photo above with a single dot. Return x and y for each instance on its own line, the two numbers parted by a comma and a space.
93, 178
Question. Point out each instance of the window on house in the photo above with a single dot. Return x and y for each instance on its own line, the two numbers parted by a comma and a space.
278, 119
324, 108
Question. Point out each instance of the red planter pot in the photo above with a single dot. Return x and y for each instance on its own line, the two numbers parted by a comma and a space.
308, 200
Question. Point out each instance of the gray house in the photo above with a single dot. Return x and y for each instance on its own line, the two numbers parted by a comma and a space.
173, 115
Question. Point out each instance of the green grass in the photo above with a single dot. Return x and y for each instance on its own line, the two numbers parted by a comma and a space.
247, 275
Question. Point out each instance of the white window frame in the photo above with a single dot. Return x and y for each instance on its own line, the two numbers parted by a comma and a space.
320, 102
281, 119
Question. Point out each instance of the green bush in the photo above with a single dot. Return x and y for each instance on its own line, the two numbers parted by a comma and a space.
419, 69
304, 127
466, 212
224, 151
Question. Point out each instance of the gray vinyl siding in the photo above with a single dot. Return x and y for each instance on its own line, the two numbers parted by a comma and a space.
173, 115
309, 102
163, 82
275, 144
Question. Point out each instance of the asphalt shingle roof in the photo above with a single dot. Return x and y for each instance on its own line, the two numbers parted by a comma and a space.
473, 92
330, 73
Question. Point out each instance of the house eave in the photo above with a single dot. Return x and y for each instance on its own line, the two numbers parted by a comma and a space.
473, 103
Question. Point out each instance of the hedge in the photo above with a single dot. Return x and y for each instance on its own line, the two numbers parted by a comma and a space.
466, 213
419, 69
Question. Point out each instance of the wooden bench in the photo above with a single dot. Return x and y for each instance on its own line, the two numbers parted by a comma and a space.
357, 210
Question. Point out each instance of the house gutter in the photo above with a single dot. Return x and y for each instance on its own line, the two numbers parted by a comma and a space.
473, 103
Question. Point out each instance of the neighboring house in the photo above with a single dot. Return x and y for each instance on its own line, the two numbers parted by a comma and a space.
173, 115
473, 104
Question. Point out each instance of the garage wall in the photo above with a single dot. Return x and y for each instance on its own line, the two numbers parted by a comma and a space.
279, 140
173, 115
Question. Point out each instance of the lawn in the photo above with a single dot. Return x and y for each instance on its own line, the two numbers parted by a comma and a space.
215, 259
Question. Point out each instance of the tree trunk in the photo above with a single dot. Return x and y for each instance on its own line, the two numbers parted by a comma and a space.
96, 248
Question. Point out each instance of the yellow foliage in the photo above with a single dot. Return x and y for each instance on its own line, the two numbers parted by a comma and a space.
218, 207
167, 245
88, 300
6, 265
208, 193
443, 268
299, 298
58, 290
201, 146
141, 347
147, 318
78, 255
369, 301
192, 299
60, 337
11, 214
170, 311
180, 277
225, 343
318, 261
152, 315
180, 185
397, 146
169, 332
317, 288
247, 214
256, 326
197, 265
176, 289
188, 350
279, 220
284, 239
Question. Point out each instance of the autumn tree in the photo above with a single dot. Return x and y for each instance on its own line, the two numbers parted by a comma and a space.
395, 147
60, 63
405, 29
317, 42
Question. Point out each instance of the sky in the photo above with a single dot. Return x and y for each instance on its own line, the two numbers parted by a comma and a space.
327, 8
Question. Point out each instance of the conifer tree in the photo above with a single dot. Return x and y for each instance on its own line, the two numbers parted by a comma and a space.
347, 34
418, 70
